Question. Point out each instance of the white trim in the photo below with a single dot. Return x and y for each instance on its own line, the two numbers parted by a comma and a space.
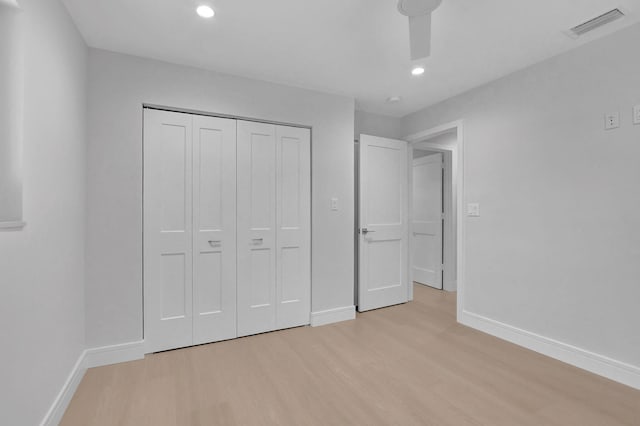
220, 115
89, 358
8, 226
434, 131
60, 404
410, 238
114, 354
426, 159
458, 126
598, 364
332, 316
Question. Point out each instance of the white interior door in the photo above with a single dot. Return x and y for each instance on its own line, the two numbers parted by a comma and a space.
293, 218
256, 228
383, 236
167, 230
214, 223
427, 222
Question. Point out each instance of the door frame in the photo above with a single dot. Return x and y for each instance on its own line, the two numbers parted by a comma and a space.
457, 154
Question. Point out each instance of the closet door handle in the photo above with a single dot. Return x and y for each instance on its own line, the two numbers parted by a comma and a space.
215, 243
257, 241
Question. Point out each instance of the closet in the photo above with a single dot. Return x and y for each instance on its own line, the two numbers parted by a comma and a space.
227, 228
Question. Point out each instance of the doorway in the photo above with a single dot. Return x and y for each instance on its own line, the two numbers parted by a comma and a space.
437, 190
427, 218
445, 141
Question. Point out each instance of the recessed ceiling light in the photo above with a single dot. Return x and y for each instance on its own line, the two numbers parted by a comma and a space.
394, 99
417, 71
205, 11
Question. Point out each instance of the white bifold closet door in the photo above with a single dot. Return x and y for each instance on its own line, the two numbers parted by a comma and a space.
189, 229
227, 228
274, 217
214, 229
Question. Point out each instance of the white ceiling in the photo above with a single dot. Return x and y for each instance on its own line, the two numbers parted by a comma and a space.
358, 48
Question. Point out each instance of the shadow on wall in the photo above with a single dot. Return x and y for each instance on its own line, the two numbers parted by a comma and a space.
11, 87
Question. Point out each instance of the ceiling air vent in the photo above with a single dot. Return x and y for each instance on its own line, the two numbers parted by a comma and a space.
597, 22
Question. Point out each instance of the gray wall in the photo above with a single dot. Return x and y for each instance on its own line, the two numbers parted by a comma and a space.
119, 86
377, 125
556, 249
11, 90
42, 278
418, 153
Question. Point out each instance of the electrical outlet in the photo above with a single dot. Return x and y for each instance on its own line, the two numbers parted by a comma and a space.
334, 204
473, 210
636, 114
611, 120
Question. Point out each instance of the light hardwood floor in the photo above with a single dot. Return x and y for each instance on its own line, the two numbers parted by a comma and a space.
405, 365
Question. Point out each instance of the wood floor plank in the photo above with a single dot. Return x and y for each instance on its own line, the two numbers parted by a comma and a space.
410, 364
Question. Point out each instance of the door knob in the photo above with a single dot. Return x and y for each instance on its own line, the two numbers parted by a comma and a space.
365, 231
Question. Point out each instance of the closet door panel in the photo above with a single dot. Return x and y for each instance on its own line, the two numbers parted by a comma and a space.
293, 199
256, 228
167, 230
214, 218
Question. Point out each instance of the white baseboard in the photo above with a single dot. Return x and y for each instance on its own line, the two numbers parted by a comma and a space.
107, 355
333, 315
89, 358
451, 286
598, 364
12, 226
60, 404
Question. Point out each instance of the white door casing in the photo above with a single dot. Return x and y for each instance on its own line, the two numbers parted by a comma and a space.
214, 224
167, 230
427, 217
383, 236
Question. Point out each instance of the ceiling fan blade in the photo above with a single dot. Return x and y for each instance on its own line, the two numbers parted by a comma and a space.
420, 36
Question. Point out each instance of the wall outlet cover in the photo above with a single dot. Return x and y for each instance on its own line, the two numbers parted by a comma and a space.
636, 114
473, 210
611, 120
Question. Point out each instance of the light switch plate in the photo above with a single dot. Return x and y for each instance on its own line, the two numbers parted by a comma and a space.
611, 120
334, 204
636, 114
473, 210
